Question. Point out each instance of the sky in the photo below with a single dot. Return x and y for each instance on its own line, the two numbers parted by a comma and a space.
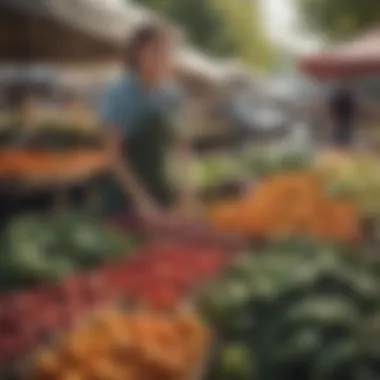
282, 23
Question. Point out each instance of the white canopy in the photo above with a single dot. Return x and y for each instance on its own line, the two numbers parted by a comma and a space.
112, 21
109, 20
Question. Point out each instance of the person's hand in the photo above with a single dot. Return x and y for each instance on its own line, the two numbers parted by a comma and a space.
182, 218
149, 214
189, 212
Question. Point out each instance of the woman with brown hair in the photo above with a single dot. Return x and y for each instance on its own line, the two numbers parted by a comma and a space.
140, 114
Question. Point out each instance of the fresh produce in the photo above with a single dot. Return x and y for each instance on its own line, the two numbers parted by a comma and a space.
263, 165
236, 362
36, 165
51, 308
300, 310
358, 175
49, 129
287, 204
215, 170
164, 275
121, 346
160, 276
35, 249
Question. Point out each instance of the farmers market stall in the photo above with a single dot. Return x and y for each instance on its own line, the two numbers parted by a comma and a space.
282, 280
356, 63
46, 156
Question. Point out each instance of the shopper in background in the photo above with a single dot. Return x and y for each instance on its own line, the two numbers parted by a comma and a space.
343, 112
141, 114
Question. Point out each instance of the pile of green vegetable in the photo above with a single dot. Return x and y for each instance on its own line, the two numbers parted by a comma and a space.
298, 310
263, 164
35, 249
215, 170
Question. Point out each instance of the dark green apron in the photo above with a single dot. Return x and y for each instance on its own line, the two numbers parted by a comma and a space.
146, 150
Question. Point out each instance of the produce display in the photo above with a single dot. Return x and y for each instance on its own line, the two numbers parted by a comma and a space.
301, 300
218, 169
42, 165
165, 275
299, 310
215, 170
120, 346
52, 129
287, 204
261, 165
357, 175
160, 276
35, 249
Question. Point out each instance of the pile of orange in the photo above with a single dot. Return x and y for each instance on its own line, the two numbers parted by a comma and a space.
289, 204
47, 165
118, 346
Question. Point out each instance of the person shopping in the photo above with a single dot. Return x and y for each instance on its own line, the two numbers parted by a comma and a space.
141, 115
343, 113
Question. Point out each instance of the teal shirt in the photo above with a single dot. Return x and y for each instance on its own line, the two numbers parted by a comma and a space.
125, 103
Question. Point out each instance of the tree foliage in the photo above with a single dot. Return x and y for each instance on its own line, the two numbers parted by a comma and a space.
340, 19
223, 27
243, 20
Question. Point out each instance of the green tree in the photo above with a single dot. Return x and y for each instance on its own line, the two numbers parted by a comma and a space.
223, 27
339, 19
243, 20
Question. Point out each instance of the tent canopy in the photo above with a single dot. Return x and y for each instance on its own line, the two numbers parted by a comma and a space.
85, 31
107, 20
65, 31
351, 59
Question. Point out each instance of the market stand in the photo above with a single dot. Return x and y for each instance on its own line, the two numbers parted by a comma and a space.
42, 29
356, 62
252, 281
55, 32
167, 273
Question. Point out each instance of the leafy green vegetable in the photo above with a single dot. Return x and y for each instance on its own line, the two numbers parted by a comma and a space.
303, 309
35, 249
